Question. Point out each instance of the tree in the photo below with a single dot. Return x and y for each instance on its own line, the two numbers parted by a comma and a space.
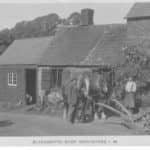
75, 18
41, 26
136, 65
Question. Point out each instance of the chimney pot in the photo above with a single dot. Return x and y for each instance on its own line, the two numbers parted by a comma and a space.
87, 16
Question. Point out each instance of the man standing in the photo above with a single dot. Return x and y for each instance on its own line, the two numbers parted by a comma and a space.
130, 89
72, 97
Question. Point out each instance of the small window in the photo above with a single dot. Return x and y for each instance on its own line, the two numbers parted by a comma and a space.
12, 79
56, 75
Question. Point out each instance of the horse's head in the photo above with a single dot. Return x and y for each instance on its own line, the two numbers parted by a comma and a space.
100, 83
83, 84
87, 86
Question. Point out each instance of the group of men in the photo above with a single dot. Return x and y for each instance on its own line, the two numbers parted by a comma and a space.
79, 93
83, 91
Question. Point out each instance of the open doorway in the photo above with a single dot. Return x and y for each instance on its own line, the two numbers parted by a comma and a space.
31, 85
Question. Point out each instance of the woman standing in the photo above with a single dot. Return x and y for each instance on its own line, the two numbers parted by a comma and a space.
130, 89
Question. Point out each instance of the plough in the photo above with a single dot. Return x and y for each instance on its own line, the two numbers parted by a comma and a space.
140, 122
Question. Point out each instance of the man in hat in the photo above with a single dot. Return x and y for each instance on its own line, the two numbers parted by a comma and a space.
71, 94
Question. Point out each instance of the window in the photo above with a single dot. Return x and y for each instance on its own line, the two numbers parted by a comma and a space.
59, 78
56, 77
12, 79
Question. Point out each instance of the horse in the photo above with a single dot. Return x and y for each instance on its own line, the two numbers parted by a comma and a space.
75, 93
90, 88
99, 91
93, 88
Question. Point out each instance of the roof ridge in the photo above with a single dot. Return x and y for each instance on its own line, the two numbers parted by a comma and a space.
138, 10
32, 38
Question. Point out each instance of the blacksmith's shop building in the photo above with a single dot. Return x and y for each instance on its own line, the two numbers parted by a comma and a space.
35, 65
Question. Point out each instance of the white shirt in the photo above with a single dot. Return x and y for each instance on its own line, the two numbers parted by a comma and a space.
87, 84
130, 86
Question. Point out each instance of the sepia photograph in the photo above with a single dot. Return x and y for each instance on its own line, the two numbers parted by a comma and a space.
75, 70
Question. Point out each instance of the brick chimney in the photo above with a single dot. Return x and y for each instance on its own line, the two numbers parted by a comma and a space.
87, 17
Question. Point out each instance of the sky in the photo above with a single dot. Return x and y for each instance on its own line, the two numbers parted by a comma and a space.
104, 13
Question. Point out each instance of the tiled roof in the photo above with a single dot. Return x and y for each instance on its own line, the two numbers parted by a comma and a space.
139, 10
98, 44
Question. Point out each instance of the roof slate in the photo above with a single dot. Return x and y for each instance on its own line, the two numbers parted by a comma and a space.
108, 50
79, 45
25, 51
139, 10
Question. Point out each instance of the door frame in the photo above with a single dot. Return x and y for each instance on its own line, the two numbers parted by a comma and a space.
25, 73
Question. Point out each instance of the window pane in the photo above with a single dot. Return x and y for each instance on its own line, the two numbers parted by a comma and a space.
12, 78
53, 77
14, 82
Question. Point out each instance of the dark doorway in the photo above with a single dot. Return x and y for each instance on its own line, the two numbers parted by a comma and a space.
31, 86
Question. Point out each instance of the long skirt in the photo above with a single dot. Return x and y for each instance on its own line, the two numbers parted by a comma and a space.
129, 100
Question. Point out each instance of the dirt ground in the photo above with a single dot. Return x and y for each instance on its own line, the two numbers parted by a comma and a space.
19, 124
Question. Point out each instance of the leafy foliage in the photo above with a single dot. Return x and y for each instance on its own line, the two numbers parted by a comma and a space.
136, 65
75, 18
40, 26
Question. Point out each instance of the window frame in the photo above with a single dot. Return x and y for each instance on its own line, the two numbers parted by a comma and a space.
56, 77
12, 79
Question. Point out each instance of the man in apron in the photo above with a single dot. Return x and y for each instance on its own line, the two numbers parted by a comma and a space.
130, 89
